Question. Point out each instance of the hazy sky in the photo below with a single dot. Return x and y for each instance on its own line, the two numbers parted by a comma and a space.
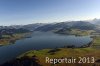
36, 11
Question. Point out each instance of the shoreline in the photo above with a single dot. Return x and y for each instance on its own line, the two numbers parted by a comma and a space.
14, 38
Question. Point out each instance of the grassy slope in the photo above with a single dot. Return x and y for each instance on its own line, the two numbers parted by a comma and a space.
76, 32
8, 39
64, 52
96, 43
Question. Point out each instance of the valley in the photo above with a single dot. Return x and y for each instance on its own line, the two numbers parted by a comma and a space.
34, 42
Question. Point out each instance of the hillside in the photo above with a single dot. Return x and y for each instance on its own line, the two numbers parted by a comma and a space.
83, 25
64, 25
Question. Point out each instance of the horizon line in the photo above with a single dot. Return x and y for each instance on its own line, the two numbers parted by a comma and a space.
52, 22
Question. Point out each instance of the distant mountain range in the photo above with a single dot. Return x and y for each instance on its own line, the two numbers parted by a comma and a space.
95, 21
64, 25
83, 25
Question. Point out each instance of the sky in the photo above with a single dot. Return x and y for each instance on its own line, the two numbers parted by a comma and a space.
19, 12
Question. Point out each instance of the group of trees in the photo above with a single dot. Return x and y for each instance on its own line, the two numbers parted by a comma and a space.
23, 61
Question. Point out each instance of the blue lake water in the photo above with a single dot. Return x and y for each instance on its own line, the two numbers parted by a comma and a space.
40, 40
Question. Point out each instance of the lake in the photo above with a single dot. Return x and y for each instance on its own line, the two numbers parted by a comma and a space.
40, 40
